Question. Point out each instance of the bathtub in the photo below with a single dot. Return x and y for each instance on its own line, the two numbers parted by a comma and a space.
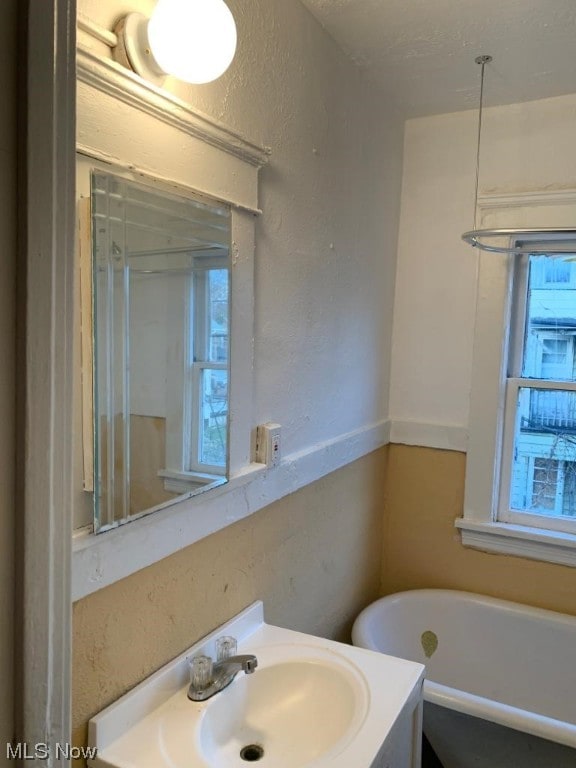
500, 689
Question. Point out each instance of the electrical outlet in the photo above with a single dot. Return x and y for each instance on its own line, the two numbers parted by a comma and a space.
268, 444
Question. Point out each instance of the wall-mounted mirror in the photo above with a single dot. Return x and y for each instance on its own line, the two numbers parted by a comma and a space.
161, 335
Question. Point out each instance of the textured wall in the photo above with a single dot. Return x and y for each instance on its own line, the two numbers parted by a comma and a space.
525, 147
424, 494
325, 262
7, 265
313, 558
326, 242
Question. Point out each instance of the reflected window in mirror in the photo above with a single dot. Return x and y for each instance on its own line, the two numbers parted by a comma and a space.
161, 335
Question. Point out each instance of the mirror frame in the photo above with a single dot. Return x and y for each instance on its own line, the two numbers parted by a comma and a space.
195, 155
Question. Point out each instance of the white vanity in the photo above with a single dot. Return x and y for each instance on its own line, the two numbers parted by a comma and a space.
310, 702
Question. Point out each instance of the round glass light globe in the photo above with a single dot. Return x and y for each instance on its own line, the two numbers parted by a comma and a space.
194, 40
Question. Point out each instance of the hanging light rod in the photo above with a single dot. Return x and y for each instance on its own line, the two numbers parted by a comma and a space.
512, 241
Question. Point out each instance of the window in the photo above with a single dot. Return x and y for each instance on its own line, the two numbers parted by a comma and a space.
520, 495
556, 271
208, 367
539, 457
197, 419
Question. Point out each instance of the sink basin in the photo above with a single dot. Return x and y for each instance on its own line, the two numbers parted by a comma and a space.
299, 705
311, 703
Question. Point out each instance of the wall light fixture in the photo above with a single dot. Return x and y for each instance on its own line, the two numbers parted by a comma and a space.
193, 40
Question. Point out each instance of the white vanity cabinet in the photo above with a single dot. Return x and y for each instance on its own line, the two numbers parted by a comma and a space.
310, 701
402, 747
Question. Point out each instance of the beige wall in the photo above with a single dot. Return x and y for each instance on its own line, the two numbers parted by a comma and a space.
313, 558
7, 264
147, 456
424, 494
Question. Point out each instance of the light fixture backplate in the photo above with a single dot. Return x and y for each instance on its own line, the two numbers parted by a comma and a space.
133, 48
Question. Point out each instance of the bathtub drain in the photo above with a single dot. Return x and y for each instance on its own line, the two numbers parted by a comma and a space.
252, 752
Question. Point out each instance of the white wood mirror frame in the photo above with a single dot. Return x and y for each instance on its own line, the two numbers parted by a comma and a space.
151, 135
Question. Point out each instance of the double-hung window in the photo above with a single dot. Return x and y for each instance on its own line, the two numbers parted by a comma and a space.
196, 441
521, 469
208, 366
538, 480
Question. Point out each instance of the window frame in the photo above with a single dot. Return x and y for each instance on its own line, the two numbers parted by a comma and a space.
504, 513
549, 336
200, 309
519, 277
481, 525
182, 435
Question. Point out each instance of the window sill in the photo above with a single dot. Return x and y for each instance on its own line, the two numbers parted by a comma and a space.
183, 482
519, 540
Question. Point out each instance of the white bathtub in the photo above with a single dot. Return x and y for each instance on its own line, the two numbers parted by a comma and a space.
491, 666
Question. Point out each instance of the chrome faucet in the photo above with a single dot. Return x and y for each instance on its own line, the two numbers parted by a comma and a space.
221, 675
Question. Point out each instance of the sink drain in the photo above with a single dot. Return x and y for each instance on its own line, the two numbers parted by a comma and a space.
252, 752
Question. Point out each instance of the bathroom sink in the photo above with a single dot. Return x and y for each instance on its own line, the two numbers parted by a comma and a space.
310, 703
299, 705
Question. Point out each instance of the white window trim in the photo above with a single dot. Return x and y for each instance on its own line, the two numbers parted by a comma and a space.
479, 526
520, 540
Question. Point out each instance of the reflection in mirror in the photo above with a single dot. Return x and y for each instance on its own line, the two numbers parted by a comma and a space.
161, 333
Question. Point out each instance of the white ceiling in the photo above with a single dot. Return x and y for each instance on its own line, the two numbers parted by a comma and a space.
421, 52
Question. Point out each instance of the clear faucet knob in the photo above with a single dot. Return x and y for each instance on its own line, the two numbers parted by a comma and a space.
201, 672
225, 647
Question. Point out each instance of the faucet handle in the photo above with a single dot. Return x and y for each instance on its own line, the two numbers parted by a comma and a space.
200, 672
225, 647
